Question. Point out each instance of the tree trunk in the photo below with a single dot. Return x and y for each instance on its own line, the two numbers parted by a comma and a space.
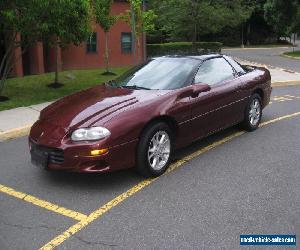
56, 83
7, 66
7, 62
106, 56
144, 35
242, 45
138, 50
248, 33
144, 47
195, 32
133, 34
56, 65
2, 82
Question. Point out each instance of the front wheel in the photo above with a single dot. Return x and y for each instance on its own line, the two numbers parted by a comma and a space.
253, 113
154, 150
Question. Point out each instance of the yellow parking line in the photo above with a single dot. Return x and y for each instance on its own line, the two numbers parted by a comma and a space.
279, 119
108, 206
42, 203
286, 83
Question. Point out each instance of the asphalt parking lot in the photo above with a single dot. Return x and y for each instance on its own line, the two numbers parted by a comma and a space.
269, 56
229, 184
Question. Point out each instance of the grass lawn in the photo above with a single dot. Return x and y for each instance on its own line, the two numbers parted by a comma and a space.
294, 54
29, 90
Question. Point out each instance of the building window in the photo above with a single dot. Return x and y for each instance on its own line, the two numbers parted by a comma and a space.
126, 42
91, 43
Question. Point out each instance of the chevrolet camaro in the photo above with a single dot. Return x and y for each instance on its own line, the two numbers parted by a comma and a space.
140, 118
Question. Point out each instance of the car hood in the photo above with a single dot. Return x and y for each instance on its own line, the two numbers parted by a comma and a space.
100, 103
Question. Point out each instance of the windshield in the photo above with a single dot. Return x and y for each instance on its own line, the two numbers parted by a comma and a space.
161, 73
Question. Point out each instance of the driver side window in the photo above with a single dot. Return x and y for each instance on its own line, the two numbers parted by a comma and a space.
214, 71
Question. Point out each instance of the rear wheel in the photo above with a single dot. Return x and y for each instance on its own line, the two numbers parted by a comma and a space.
253, 113
154, 150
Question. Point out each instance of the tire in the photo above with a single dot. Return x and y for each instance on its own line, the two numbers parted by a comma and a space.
253, 113
153, 161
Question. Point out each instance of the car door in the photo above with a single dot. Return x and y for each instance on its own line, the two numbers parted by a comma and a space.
221, 106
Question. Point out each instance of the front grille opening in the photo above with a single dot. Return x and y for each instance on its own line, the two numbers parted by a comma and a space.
56, 156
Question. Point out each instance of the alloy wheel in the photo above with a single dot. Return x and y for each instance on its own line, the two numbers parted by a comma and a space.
159, 150
254, 112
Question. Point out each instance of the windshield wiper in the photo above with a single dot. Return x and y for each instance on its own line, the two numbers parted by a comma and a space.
134, 87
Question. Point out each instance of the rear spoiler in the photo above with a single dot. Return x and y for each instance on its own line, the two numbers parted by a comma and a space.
253, 67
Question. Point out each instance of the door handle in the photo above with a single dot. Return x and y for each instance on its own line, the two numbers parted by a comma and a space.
195, 94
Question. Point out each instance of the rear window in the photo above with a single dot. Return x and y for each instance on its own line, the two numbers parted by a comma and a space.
238, 67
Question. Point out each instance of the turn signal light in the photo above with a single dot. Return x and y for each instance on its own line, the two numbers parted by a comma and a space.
99, 151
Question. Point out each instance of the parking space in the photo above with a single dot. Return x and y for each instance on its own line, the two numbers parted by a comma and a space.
228, 184
26, 226
248, 185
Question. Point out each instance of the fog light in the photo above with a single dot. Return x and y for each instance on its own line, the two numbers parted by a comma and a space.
99, 151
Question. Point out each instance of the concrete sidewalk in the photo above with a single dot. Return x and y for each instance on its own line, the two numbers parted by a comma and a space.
17, 122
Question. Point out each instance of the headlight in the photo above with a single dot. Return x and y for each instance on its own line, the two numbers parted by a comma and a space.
90, 134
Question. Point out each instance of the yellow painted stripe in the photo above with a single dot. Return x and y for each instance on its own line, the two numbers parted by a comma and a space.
14, 133
279, 119
42, 203
96, 214
108, 206
286, 83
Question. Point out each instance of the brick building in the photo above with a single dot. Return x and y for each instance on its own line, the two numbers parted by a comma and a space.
40, 58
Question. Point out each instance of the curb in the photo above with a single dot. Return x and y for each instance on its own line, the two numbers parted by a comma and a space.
253, 48
15, 133
290, 57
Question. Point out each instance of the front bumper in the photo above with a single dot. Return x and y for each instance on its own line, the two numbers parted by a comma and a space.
51, 146
78, 158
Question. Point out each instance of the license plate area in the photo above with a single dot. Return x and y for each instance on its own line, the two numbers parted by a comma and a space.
39, 157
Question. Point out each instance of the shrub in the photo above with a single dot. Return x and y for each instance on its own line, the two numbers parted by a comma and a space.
183, 48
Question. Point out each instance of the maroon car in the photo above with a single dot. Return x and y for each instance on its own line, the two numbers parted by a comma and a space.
140, 118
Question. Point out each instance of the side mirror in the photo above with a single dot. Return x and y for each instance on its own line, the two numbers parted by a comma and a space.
199, 88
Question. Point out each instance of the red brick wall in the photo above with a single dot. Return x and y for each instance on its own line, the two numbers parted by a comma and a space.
77, 58
42, 58
36, 59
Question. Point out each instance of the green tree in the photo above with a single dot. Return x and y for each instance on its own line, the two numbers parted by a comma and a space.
64, 22
58, 22
16, 18
141, 22
296, 21
189, 19
101, 10
280, 14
